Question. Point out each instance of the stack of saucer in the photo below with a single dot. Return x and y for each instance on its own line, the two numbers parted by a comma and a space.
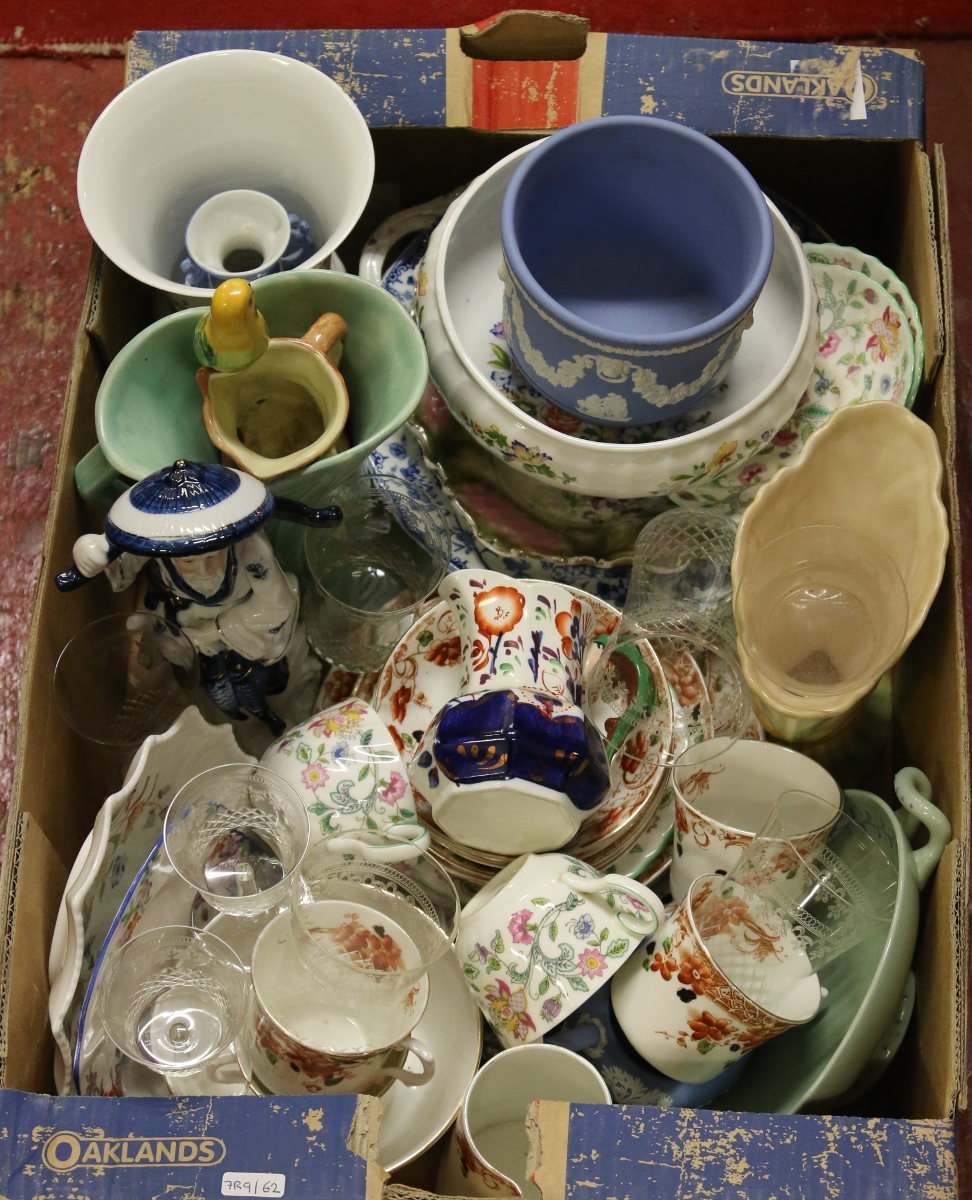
425, 672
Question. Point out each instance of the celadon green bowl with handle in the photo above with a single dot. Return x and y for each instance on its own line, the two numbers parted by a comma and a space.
148, 412
864, 1016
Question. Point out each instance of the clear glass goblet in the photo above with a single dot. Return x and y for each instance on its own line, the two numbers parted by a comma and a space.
237, 834
173, 999
367, 578
122, 678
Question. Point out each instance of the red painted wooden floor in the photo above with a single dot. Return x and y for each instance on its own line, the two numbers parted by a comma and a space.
820, 20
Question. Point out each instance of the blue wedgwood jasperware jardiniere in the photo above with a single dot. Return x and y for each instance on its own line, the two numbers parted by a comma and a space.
634, 252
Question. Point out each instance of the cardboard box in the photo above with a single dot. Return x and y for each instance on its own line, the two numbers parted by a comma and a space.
871, 184
284, 1146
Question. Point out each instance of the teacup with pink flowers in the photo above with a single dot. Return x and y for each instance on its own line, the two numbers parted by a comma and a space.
545, 933
347, 768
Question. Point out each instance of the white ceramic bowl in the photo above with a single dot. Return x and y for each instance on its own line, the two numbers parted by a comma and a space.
462, 302
212, 122
126, 828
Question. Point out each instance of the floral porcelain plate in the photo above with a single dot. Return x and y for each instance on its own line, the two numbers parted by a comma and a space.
125, 832
865, 352
651, 844
866, 264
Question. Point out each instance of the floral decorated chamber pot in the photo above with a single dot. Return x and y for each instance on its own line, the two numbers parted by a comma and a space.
543, 934
348, 769
459, 305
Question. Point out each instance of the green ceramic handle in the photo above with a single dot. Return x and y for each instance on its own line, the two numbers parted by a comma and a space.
644, 701
97, 480
914, 791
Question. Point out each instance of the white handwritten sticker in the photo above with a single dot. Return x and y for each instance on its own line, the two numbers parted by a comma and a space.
253, 1183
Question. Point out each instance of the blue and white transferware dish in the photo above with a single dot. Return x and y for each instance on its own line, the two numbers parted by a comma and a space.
405, 455
634, 252
401, 456
243, 234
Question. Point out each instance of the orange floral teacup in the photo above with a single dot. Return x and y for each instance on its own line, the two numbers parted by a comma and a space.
299, 1045
679, 1008
725, 791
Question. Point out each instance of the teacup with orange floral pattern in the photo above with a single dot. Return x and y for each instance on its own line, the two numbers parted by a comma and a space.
299, 1045
725, 791
681, 1009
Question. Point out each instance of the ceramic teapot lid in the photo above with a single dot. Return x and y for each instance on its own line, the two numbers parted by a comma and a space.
187, 509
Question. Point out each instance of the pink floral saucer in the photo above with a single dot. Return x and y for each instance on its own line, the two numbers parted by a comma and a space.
865, 353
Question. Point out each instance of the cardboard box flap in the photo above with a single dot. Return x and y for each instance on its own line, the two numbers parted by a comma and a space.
556, 72
522, 35
301, 1147
33, 910
673, 1154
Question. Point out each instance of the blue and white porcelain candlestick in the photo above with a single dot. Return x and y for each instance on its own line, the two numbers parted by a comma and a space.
243, 234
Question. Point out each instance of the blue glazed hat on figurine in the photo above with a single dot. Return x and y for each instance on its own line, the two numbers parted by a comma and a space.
197, 529
193, 508
634, 252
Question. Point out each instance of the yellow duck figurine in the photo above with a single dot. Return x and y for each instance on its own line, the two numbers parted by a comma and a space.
233, 334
